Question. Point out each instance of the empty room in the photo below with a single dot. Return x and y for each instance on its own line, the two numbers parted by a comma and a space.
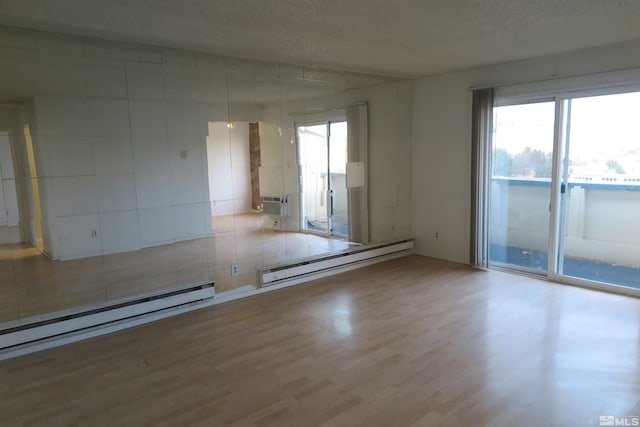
301, 213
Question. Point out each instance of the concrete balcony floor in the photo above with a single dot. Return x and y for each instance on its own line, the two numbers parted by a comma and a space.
618, 275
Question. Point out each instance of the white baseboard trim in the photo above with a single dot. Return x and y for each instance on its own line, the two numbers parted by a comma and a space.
254, 290
115, 325
58, 328
312, 267
97, 331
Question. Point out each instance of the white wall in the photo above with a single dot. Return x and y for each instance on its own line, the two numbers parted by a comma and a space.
229, 168
442, 138
390, 137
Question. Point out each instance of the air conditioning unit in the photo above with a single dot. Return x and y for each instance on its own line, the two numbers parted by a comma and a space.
274, 206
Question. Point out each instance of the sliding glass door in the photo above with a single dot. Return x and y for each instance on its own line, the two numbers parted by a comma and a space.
564, 196
521, 185
322, 154
313, 146
599, 198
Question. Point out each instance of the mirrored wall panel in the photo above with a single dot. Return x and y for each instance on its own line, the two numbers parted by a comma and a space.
130, 169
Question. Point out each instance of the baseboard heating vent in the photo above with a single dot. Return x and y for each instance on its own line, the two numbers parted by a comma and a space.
30, 331
310, 267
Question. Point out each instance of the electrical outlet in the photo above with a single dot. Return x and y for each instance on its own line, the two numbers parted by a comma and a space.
436, 235
94, 233
235, 270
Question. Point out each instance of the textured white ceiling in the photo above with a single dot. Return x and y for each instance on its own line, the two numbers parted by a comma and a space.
389, 37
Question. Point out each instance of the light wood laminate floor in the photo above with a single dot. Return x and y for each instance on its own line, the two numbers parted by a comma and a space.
409, 342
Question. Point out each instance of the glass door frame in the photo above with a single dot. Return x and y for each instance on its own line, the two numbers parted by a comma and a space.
555, 211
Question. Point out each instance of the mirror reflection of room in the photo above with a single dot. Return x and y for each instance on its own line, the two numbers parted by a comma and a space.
233, 156
130, 169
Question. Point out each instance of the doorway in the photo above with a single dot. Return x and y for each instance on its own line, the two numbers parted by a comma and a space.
9, 214
233, 160
322, 155
21, 216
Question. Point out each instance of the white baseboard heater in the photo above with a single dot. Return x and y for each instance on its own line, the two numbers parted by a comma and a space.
18, 335
310, 268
